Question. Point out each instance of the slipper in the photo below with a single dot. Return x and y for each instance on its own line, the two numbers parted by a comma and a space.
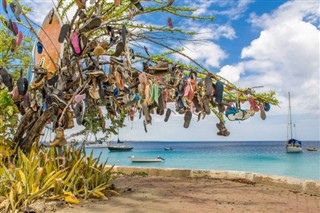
170, 23
154, 93
22, 85
19, 38
137, 4
208, 86
98, 50
145, 126
146, 113
187, 88
119, 49
6, 79
161, 103
206, 106
79, 112
15, 95
219, 92
187, 119
16, 10
193, 89
262, 111
253, 104
39, 47
75, 44
235, 114
14, 27
197, 104
124, 33
90, 25
13, 45
65, 29
181, 86
266, 106
26, 101
4, 5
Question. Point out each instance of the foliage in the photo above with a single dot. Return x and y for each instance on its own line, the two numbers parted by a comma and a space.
40, 173
8, 119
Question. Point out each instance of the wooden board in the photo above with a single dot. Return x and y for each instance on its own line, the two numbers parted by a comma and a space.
48, 35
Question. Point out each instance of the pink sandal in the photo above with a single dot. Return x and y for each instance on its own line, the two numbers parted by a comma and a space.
75, 43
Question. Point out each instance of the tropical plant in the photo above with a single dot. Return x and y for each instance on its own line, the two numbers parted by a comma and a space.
40, 173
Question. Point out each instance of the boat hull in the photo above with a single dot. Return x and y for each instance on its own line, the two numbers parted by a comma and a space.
146, 160
294, 149
120, 148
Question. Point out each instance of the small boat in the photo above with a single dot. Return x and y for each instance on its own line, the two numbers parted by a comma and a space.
121, 148
168, 148
147, 160
312, 149
292, 145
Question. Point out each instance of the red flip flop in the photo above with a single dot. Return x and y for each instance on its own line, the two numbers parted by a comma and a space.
19, 38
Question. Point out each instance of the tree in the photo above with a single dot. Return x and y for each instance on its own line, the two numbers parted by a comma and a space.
110, 31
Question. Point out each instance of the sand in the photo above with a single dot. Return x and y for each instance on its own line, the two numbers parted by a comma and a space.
170, 194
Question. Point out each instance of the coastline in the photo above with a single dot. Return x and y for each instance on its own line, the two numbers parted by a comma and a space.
178, 190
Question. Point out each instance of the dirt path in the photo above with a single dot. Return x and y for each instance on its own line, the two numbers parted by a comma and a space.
163, 194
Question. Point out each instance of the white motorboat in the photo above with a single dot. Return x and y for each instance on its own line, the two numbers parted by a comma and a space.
146, 160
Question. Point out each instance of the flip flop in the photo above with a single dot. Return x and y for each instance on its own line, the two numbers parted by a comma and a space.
6, 78
119, 49
168, 113
266, 106
208, 86
13, 45
181, 86
124, 33
75, 44
90, 25
22, 85
219, 92
170, 23
193, 89
14, 27
206, 106
39, 47
187, 119
262, 111
15, 95
65, 29
197, 104
4, 5
19, 38
79, 112
253, 104
16, 10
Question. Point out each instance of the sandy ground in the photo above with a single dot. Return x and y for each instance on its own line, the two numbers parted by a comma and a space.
164, 194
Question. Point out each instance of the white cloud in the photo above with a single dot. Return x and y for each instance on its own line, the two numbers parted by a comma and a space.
231, 73
286, 54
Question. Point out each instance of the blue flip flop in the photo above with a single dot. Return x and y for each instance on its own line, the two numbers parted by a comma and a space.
219, 92
39, 47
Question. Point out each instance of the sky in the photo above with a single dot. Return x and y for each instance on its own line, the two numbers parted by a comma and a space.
274, 44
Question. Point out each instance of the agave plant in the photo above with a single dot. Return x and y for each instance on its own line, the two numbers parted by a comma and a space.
25, 178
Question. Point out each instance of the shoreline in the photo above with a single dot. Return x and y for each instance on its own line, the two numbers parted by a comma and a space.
311, 187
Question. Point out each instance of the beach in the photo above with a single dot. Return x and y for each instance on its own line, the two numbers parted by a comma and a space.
200, 193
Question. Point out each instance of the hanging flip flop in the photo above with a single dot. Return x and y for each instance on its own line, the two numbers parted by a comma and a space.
119, 49
170, 23
14, 27
13, 45
22, 85
187, 119
219, 92
75, 44
90, 25
19, 38
65, 29
208, 86
4, 5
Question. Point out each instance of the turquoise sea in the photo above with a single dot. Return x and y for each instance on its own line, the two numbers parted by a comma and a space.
266, 157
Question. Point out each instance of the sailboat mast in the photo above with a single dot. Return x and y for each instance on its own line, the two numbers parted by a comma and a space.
290, 119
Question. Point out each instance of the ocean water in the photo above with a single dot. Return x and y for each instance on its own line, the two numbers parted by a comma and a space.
266, 157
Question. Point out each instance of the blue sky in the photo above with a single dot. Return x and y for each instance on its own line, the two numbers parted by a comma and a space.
250, 43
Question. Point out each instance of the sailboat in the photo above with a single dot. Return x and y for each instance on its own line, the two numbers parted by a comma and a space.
292, 145
119, 148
